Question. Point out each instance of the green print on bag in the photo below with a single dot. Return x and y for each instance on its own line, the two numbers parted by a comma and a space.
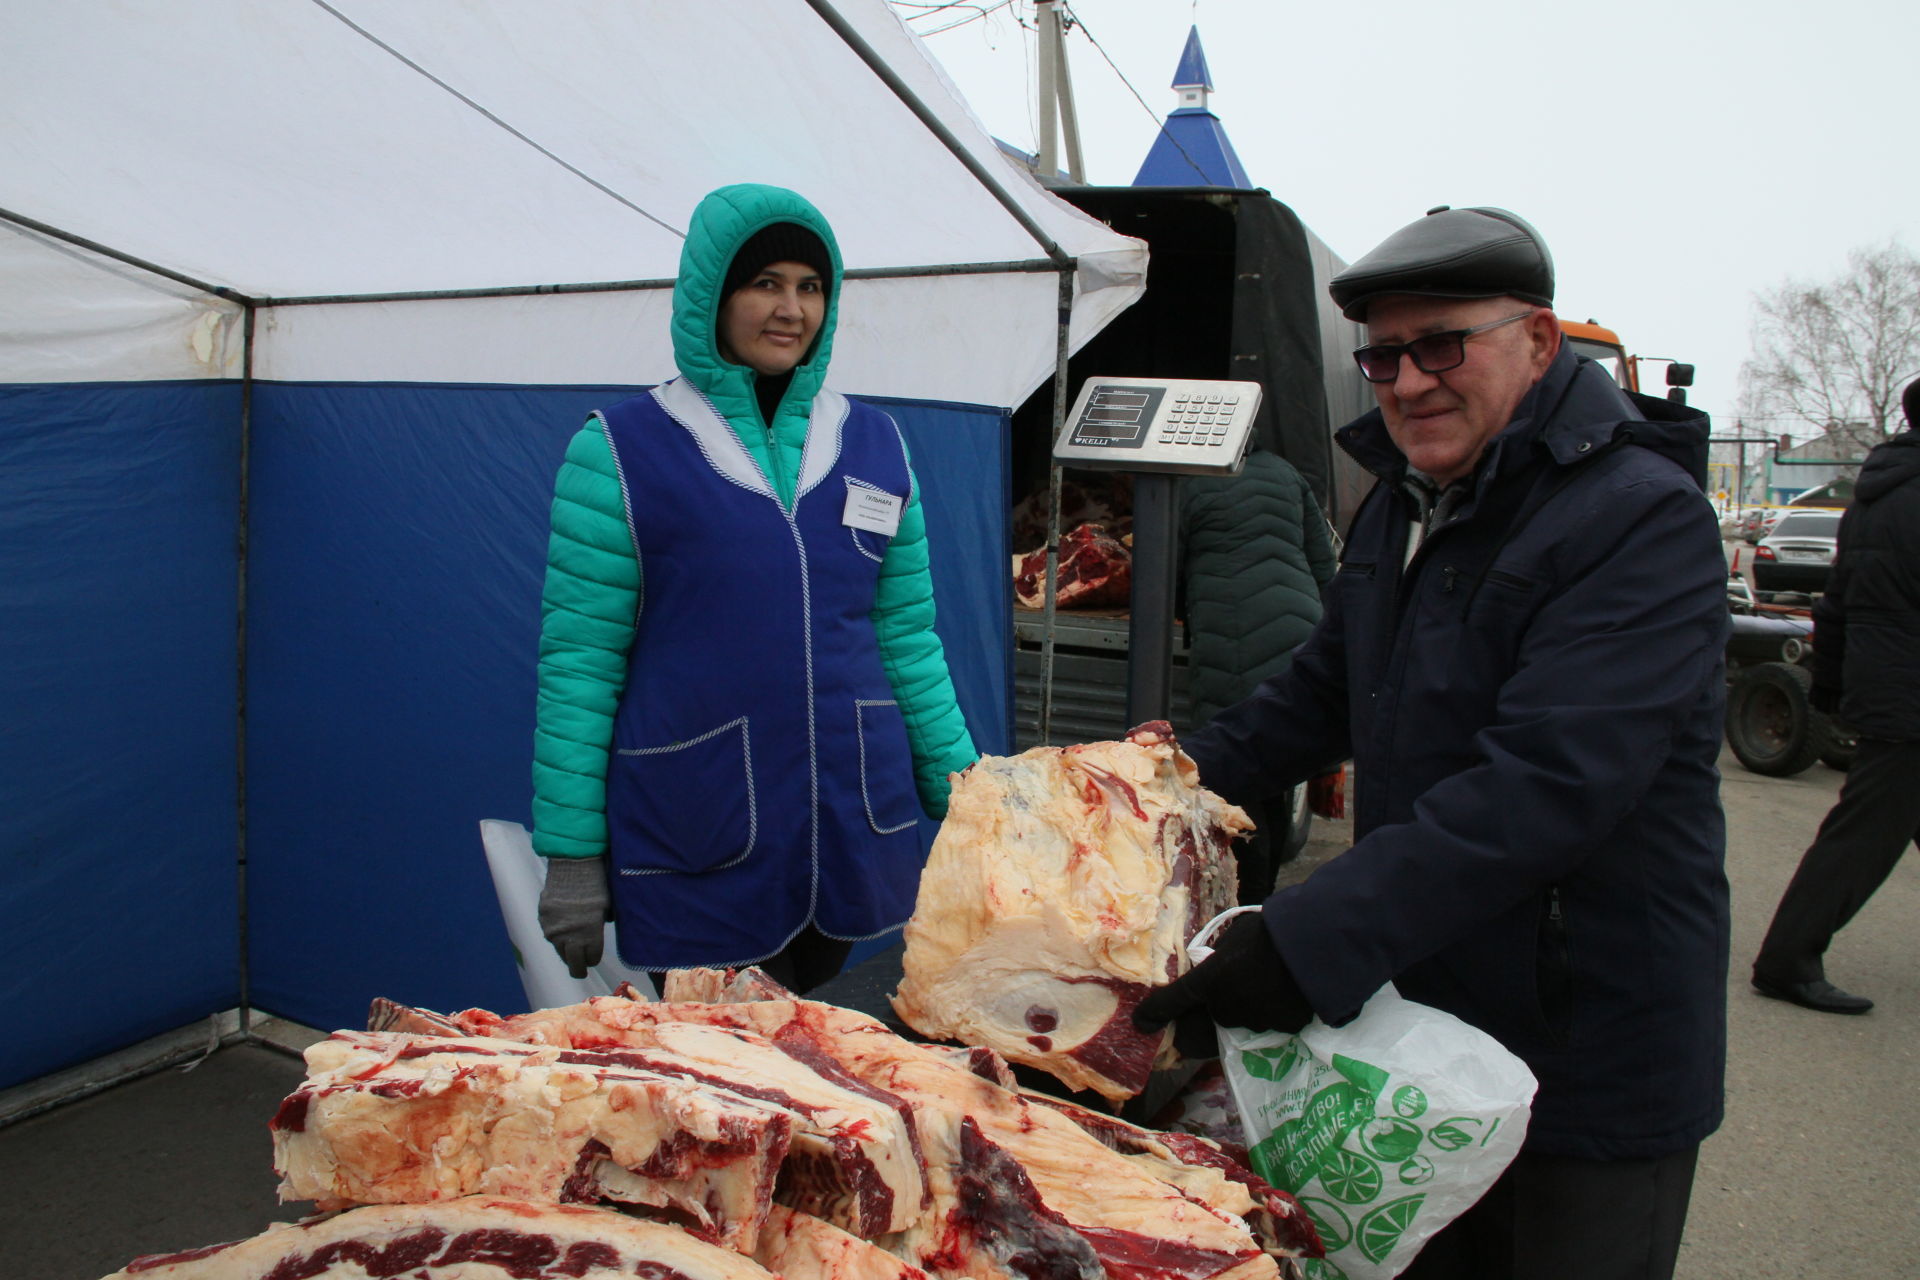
1298, 1151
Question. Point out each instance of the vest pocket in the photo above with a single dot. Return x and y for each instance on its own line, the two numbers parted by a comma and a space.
886, 767
686, 806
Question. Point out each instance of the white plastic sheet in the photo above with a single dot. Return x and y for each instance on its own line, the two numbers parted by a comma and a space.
518, 874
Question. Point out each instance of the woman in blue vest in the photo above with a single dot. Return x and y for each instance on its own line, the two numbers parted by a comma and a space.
743, 706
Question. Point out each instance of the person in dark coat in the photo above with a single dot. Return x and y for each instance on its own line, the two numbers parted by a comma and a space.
1866, 668
1524, 656
1255, 553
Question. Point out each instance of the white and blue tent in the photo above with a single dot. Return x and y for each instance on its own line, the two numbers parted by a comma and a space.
299, 302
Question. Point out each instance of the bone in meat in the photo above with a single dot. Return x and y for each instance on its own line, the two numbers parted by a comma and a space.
799, 1246
853, 1159
385, 1118
987, 1223
1063, 886
473, 1238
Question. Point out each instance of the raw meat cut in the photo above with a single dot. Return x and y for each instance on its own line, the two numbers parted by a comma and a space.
385, 1118
1063, 886
720, 986
1205, 1173
1095, 570
852, 1160
475, 1238
799, 1246
1018, 1189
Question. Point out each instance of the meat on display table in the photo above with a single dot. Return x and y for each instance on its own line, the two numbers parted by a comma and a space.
867, 986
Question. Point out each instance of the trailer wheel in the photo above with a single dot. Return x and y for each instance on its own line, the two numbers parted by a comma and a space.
1299, 825
1837, 744
1770, 723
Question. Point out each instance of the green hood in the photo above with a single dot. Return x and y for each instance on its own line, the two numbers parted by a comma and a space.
723, 222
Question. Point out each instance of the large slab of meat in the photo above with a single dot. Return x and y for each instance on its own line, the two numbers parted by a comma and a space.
1095, 570
1018, 1188
1065, 884
386, 1118
477, 1238
852, 1159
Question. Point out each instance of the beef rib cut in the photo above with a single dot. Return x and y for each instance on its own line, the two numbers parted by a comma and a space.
473, 1238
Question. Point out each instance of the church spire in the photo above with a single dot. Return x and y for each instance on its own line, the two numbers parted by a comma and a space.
1192, 149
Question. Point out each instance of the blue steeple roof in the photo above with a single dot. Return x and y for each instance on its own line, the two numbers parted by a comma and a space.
1191, 149
1192, 71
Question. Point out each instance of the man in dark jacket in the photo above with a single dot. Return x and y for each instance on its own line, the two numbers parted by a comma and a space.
1255, 554
1866, 666
1523, 654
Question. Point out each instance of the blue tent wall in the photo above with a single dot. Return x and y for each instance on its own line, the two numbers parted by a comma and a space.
398, 543
118, 912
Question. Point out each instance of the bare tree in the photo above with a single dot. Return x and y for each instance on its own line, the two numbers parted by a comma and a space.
1834, 356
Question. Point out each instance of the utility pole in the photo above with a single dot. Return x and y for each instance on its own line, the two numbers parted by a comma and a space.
1056, 95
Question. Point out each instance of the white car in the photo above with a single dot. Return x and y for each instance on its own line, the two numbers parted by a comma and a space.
1797, 553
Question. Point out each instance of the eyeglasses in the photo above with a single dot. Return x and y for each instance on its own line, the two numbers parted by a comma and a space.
1435, 353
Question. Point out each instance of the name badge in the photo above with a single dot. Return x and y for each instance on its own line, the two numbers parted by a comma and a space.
871, 509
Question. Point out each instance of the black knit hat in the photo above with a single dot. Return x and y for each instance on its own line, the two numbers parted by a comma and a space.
781, 242
1451, 253
1910, 403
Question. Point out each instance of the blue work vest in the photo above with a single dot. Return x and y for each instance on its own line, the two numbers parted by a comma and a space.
761, 776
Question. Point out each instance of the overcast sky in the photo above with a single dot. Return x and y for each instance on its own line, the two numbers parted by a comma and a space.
1679, 157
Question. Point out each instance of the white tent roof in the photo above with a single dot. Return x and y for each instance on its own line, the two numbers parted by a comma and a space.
298, 148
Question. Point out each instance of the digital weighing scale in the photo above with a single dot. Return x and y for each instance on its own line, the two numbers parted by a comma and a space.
1156, 428
1177, 426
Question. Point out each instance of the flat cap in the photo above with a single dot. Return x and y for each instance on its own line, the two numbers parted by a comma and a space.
1451, 253
1910, 403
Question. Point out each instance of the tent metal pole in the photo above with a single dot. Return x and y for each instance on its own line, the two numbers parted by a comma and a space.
240, 668
105, 251
1060, 354
1016, 267
938, 128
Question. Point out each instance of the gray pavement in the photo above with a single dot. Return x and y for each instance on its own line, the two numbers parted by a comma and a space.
1814, 1173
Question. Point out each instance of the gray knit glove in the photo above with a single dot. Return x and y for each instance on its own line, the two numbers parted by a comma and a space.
573, 910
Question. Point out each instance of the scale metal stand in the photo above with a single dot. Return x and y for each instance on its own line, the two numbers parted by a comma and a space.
1155, 429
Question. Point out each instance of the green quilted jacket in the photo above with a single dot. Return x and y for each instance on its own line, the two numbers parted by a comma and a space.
1255, 552
591, 604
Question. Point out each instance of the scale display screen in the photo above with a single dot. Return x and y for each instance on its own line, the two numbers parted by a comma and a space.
1117, 416
1181, 425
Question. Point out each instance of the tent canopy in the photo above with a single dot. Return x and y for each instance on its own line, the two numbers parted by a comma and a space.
300, 301
319, 148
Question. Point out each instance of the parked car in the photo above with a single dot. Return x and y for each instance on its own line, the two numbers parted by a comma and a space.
1798, 554
1757, 522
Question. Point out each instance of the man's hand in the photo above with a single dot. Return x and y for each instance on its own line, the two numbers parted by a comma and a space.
1244, 983
573, 910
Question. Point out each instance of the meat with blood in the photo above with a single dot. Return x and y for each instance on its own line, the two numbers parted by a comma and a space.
1095, 569
852, 1159
384, 1118
1062, 887
473, 1238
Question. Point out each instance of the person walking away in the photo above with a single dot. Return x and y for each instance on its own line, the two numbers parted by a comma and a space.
1866, 669
1255, 554
1523, 654
743, 707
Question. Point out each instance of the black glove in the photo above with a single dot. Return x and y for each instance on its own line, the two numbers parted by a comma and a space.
573, 910
1244, 983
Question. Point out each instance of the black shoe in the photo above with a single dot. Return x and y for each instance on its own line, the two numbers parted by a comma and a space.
1818, 994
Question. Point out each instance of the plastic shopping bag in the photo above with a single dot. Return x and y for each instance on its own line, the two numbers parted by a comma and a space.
1385, 1129
518, 874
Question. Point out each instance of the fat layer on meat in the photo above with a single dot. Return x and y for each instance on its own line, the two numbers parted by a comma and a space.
1064, 885
852, 1160
386, 1118
473, 1238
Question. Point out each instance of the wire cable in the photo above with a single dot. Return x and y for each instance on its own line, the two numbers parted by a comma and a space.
1077, 20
